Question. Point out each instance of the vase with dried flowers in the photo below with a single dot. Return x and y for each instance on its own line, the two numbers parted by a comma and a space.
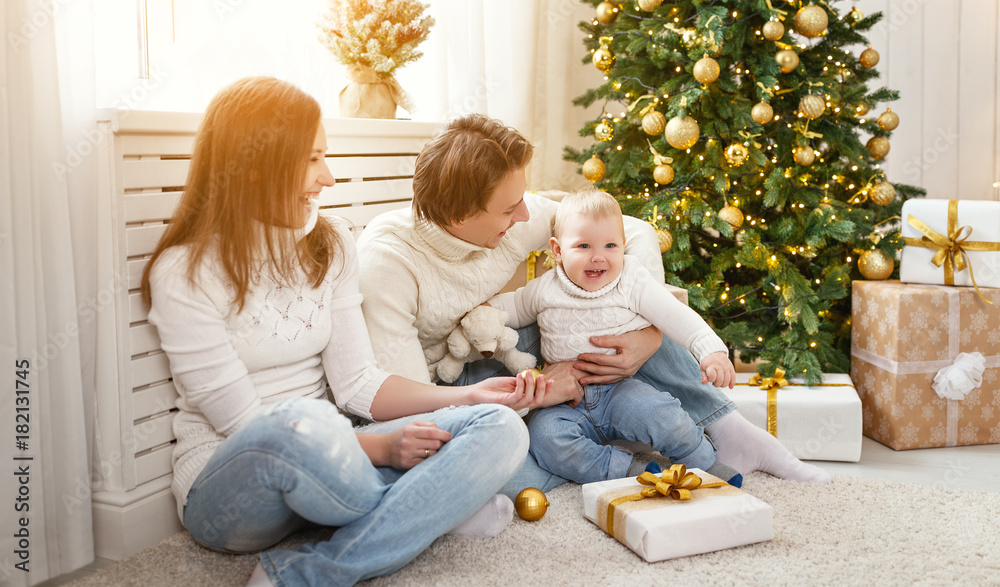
374, 38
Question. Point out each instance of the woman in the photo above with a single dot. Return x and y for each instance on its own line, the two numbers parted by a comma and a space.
256, 299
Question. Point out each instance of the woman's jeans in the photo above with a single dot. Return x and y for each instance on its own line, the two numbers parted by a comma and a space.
302, 463
574, 442
671, 369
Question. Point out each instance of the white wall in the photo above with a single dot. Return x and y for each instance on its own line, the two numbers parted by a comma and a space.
944, 58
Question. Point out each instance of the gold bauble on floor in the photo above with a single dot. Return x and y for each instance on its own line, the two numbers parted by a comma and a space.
732, 215
888, 120
654, 122
706, 70
878, 147
773, 30
787, 59
762, 113
593, 169
811, 21
663, 174
682, 133
530, 504
876, 265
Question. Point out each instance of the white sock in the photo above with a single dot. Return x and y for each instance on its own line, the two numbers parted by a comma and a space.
259, 577
746, 448
490, 520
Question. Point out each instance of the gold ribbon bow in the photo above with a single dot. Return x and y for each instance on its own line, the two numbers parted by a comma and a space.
783, 13
749, 137
647, 107
804, 130
951, 248
676, 482
657, 157
532, 258
771, 385
767, 90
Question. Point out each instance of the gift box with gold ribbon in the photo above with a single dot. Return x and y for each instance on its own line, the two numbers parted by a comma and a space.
951, 242
818, 422
678, 513
926, 362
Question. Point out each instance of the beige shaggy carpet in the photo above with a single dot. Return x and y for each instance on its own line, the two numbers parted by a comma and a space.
851, 532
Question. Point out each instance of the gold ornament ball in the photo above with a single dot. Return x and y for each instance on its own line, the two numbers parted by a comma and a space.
682, 133
862, 109
762, 113
706, 70
812, 106
804, 156
732, 215
593, 169
663, 174
665, 239
869, 57
736, 154
811, 21
606, 13
649, 5
882, 193
654, 122
604, 132
773, 30
888, 120
787, 59
876, 265
603, 58
856, 14
878, 147
530, 504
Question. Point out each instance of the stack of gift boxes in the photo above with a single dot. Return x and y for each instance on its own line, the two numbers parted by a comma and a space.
925, 350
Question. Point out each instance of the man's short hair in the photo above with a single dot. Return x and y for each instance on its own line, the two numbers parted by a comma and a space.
460, 168
589, 203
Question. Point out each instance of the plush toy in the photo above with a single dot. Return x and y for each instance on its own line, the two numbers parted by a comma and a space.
482, 334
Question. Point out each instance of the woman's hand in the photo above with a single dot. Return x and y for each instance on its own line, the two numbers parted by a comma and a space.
634, 348
718, 370
412, 444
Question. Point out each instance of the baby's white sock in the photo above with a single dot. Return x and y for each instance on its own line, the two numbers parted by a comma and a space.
746, 448
259, 577
490, 520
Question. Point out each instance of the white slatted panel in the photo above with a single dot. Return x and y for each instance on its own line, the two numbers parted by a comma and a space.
941, 97
150, 369
905, 73
152, 400
153, 432
976, 99
153, 464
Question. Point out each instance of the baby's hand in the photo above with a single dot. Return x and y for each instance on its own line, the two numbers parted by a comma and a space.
718, 370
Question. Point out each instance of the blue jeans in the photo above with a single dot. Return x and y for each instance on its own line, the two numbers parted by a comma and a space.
573, 442
302, 464
671, 369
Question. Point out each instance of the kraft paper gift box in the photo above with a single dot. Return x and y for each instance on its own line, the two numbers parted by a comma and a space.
821, 422
903, 336
660, 528
951, 242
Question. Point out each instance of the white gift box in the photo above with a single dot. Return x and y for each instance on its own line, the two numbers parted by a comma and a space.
983, 217
661, 528
821, 423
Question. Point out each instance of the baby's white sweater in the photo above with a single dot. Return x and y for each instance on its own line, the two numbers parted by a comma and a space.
419, 281
569, 315
230, 367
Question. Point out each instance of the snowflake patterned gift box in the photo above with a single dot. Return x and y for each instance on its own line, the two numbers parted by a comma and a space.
653, 516
926, 363
820, 422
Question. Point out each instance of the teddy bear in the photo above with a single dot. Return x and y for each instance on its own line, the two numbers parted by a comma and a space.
483, 333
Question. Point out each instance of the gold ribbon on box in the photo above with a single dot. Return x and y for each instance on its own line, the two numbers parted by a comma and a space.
771, 385
676, 483
532, 258
951, 247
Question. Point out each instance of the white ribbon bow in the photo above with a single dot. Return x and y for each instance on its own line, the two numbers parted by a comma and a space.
958, 379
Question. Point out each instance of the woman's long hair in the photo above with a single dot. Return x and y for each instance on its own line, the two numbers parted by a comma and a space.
247, 175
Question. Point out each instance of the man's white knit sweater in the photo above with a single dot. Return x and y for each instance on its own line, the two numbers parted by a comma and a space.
230, 367
569, 315
418, 280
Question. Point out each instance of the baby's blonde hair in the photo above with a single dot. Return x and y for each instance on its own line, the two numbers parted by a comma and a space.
592, 204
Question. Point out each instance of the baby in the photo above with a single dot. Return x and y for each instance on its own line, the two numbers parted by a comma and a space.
597, 290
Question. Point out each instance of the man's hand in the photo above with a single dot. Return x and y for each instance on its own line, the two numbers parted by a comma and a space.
522, 391
566, 386
412, 444
718, 370
634, 349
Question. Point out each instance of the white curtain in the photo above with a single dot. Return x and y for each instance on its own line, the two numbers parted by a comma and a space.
47, 189
519, 61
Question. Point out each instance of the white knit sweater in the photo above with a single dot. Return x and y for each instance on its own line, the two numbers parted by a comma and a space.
419, 281
230, 367
569, 315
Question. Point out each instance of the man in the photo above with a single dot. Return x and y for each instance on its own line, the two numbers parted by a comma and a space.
470, 226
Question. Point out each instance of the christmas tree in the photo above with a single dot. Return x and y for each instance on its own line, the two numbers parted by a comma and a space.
736, 128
